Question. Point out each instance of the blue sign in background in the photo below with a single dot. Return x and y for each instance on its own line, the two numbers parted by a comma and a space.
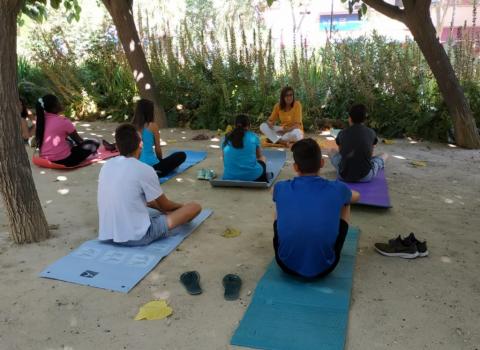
342, 22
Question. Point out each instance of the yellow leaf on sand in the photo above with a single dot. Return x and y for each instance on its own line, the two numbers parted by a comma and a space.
228, 129
418, 163
388, 142
154, 310
231, 233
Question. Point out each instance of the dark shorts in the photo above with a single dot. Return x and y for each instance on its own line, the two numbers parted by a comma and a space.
79, 153
342, 233
263, 177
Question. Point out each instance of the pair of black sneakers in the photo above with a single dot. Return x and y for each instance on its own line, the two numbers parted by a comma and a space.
407, 248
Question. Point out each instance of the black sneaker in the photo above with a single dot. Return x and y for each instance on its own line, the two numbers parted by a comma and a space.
421, 246
396, 247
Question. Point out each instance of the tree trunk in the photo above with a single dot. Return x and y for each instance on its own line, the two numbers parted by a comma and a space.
122, 15
23, 208
417, 18
424, 33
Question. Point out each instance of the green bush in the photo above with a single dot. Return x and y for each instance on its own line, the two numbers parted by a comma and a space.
205, 78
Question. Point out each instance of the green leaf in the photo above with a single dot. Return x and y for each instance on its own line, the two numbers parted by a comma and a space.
364, 9
55, 4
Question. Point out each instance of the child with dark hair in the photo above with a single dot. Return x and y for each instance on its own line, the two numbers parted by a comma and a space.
152, 152
355, 161
26, 121
242, 155
312, 216
133, 210
55, 135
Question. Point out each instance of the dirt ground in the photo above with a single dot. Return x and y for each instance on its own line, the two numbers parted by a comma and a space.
426, 303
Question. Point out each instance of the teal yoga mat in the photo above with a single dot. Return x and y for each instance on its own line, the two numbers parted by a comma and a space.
193, 157
290, 314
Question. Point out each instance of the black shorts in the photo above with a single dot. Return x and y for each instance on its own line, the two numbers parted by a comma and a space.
79, 153
342, 234
263, 177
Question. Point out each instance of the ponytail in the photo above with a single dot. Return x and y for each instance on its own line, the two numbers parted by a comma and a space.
144, 113
47, 103
40, 126
236, 136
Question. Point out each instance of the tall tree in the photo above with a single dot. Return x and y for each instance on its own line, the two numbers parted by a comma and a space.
24, 211
415, 14
122, 15
17, 188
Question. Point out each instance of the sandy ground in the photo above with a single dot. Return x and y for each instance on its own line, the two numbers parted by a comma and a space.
427, 303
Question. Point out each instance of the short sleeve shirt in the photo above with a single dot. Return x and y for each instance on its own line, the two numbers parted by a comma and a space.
293, 116
55, 145
356, 147
308, 221
125, 186
241, 163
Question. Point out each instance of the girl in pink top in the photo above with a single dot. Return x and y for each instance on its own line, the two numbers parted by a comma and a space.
56, 136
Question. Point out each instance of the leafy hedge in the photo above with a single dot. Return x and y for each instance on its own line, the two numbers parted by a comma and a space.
205, 78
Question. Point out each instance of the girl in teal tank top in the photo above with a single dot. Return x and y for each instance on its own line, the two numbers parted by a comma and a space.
151, 151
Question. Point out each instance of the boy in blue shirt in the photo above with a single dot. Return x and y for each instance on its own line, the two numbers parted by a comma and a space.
312, 216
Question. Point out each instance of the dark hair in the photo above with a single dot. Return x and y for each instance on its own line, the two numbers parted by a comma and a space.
127, 139
283, 93
24, 111
307, 155
143, 113
48, 103
235, 137
358, 113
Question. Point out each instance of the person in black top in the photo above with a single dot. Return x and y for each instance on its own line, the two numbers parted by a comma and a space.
355, 161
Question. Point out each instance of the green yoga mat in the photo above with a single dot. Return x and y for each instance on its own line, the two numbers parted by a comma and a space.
290, 314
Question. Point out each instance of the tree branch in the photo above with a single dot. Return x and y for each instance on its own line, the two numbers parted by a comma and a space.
424, 6
388, 10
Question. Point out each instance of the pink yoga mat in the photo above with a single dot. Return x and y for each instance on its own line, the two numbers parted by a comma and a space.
373, 193
102, 154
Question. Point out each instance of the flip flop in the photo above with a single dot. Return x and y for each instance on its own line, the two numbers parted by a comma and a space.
191, 281
210, 174
206, 174
201, 174
232, 284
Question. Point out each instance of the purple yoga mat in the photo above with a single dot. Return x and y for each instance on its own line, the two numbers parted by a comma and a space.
373, 193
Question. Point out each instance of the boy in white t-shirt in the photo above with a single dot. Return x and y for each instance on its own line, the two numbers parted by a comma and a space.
132, 208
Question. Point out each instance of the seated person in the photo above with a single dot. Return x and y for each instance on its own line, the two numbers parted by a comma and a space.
26, 122
312, 216
143, 120
242, 155
289, 112
55, 135
132, 208
355, 161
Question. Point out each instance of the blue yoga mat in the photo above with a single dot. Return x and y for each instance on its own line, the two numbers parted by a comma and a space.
193, 157
114, 267
275, 162
290, 314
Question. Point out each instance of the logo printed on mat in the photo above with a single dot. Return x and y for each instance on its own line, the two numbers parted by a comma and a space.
140, 260
88, 274
113, 257
87, 253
